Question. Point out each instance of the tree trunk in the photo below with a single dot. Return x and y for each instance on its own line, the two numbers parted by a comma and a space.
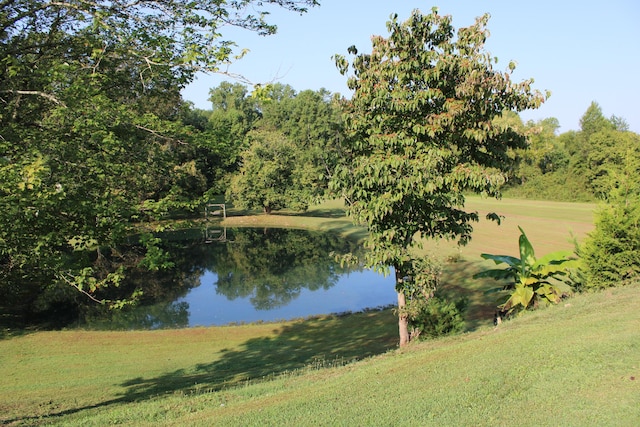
403, 322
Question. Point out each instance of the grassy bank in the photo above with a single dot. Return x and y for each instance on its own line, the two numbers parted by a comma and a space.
574, 364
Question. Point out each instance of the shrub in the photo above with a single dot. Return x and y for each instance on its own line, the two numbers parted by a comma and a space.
531, 281
428, 314
611, 253
435, 317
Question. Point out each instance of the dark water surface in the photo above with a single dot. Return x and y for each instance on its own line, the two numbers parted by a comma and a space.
224, 276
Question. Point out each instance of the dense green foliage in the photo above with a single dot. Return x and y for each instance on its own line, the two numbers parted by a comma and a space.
531, 281
290, 153
421, 133
435, 317
573, 166
611, 253
269, 177
91, 131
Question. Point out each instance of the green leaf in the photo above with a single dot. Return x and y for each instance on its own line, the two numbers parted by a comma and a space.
499, 259
527, 254
521, 295
556, 257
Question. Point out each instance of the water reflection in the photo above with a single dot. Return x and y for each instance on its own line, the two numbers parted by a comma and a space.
247, 275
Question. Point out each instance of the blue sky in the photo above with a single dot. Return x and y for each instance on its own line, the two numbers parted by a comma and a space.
581, 51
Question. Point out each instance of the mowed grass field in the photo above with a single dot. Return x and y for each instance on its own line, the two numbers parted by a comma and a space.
549, 225
573, 364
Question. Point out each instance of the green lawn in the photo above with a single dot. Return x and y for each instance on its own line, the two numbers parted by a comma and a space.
573, 364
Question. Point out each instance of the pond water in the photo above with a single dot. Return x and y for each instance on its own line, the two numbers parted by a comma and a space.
228, 276
352, 292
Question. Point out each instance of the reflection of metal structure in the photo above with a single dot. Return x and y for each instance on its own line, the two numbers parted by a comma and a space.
215, 235
221, 210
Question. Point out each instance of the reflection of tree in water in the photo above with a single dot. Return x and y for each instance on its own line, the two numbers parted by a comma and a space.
166, 314
272, 266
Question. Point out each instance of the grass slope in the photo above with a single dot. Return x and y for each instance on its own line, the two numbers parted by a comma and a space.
574, 364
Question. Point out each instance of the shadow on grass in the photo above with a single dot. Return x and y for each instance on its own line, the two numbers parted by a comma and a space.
315, 343
322, 213
458, 282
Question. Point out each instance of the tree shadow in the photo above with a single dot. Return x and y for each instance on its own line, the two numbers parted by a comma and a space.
458, 282
314, 343
321, 213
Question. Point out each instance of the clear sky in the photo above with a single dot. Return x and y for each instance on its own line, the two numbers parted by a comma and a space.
581, 51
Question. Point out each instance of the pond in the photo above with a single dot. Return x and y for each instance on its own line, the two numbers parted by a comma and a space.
232, 276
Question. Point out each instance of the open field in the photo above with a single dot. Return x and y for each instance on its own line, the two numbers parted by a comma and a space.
549, 225
574, 364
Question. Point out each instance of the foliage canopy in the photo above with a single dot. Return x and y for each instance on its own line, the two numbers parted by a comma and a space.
91, 137
421, 133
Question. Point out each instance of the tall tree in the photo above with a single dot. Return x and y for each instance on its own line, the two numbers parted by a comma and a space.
420, 133
233, 114
593, 121
611, 152
291, 152
311, 120
89, 129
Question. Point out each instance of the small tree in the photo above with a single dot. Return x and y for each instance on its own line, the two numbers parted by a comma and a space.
611, 253
421, 134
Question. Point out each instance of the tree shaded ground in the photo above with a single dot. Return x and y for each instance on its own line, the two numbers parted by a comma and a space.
62, 364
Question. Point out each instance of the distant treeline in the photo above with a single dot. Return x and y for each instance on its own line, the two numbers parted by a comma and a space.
584, 165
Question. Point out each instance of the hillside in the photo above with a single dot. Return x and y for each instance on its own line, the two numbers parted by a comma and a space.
573, 364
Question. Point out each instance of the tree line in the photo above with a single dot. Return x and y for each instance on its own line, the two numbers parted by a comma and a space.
583, 165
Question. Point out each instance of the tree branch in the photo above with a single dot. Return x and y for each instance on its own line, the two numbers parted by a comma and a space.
37, 93
81, 290
159, 135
